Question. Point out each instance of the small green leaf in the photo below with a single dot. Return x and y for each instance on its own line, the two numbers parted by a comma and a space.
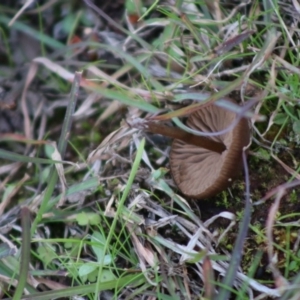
90, 271
99, 238
45, 174
263, 153
98, 247
49, 149
296, 126
293, 266
92, 277
87, 218
280, 118
86, 269
157, 174
47, 253
107, 275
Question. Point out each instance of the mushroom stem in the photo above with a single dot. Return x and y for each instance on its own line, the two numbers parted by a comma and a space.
177, 133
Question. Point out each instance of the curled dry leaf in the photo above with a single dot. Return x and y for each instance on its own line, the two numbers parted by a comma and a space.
232, 42
110, 141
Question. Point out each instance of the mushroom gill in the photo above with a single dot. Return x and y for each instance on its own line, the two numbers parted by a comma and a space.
202, 173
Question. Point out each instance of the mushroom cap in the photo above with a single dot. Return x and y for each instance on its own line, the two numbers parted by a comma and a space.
201, 173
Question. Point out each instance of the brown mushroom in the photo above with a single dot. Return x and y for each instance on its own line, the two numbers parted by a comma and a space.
204, 166
202, 173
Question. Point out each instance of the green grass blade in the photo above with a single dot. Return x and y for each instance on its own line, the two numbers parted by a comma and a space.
25, 253
25, 159
45, 39
133, 172
85, 289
